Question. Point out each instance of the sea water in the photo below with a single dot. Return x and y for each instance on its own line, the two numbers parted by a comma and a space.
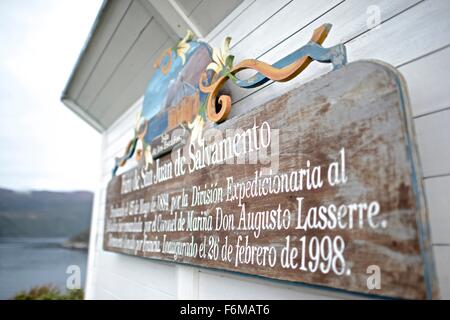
28, 262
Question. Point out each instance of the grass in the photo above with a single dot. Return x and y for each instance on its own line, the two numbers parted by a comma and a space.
49, 292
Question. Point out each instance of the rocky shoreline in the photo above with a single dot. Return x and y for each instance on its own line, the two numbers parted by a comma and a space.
78, 242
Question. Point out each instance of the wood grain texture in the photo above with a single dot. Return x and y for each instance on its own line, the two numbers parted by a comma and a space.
425, 83
362, 108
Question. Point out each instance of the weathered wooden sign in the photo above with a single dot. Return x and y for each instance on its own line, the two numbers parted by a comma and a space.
319, 186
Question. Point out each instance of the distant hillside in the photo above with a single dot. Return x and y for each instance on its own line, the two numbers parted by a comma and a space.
44, 213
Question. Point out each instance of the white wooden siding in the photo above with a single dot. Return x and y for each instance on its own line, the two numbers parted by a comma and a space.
205, 14
411, 37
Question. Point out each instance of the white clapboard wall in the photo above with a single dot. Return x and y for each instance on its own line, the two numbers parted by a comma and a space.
412, 37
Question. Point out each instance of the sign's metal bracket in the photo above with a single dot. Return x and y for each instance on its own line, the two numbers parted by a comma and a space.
283, 70
336, 55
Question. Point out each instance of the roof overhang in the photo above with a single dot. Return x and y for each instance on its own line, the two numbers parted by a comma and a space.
115, 64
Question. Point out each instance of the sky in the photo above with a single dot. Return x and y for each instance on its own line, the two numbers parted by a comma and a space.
43, 144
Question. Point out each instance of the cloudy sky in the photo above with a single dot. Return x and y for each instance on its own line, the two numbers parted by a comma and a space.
44, 145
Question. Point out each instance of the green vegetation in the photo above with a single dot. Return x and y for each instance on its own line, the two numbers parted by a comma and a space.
49, 292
